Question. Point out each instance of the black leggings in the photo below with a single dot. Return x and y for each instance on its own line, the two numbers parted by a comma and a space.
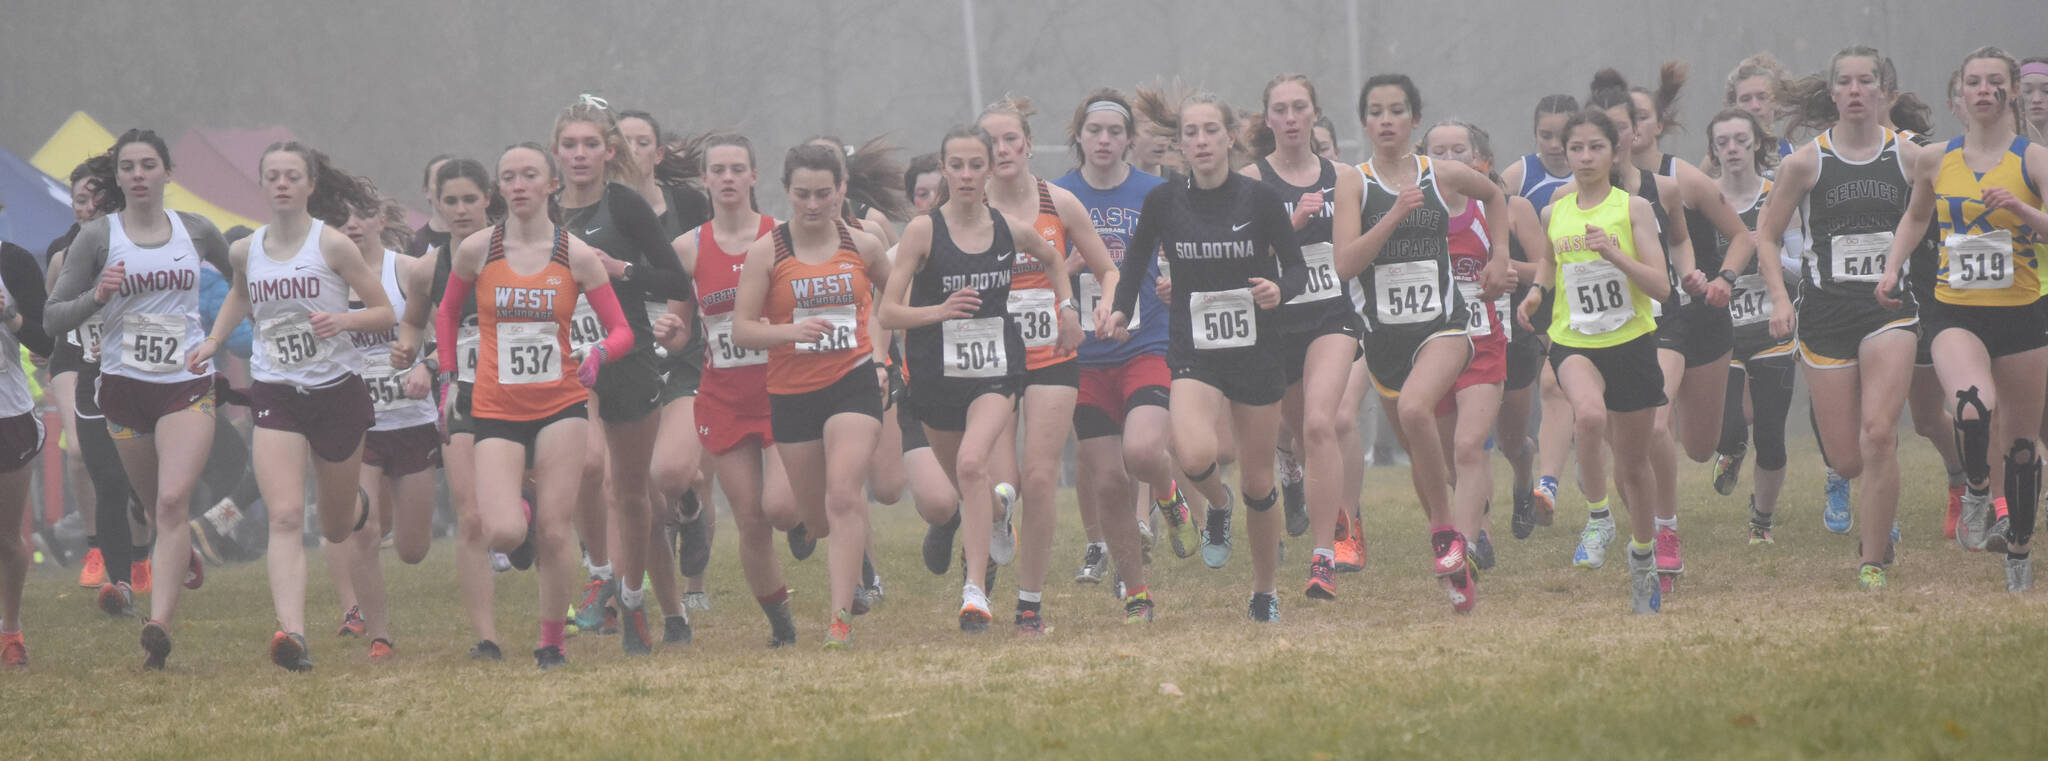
1770, 395
111, 496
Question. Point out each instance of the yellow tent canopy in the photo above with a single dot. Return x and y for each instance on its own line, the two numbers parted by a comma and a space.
82, 137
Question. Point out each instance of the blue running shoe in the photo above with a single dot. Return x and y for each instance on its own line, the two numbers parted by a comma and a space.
1837, 514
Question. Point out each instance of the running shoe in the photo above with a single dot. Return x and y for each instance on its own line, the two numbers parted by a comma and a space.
696, 601
1955, 509
1728, 470
938, 545
1759, 525
693, 544
782, 625
1645, 596
195, 571
138, 576
1837, 516
1175, 511
1145, 541
288, 651
974, 615
1321, 582
521, 557
801, 545
351, 622
597, 594
1994, 537
675, 630
1669, 551
381, 650
1482, 551
1138, 608
1545, 500
94, 573
550, 657
1973, 521
1463, 588
875, 595
1870, 577
1350, 546
860, 600
1030, 624
485, 650
1524, 521
117, 599
1002, 540
500, 563
1094, 565
13, 651
838, 633
1593, 541
1450, 549
1292, 494
1265, 608
156, 645
2019, 573
1216, 534
202, 541
634, 638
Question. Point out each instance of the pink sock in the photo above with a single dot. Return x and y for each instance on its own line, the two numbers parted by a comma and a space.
551, 632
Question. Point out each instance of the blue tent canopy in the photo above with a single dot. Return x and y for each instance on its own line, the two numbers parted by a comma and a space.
38, 206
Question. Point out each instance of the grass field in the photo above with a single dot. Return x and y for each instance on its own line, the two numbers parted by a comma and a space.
1761, 653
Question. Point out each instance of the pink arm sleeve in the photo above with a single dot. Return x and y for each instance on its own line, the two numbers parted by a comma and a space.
618, 335
448, 318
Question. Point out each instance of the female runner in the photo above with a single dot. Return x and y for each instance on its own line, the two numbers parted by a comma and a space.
21, 432
1536, 177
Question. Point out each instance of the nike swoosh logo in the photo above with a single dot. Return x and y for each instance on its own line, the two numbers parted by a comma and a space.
1327, 191
1237, 227
178, 258
1004, 257
302, 267
592, 231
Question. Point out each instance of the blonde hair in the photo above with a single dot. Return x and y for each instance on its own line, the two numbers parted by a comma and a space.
591, 109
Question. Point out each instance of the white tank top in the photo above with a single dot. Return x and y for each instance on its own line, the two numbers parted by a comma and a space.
15, 399
153, 322
387, 392
282, 297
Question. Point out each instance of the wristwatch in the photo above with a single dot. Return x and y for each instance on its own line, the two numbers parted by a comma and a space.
1728, 275
1070, 303
626, 273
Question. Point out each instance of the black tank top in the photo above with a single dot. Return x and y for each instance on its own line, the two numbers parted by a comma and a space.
1324, 293
988, 345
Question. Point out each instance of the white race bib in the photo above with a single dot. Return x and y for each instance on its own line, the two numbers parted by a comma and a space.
291, 342
1749, 304
1599, 296
1980, 262
527, 353
843, 335
585, 330
155, 342
1223, 319
1091, 296
1321, 259
1036, 316
387, 390
726, 355
88, 337
974, 348
468, 342
1504, 309
1408, 292
1478, 312
1860, 258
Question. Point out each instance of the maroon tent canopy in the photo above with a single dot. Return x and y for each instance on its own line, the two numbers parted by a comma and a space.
220, 164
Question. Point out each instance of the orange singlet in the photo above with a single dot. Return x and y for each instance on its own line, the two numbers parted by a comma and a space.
836, 289
524, 371
1031, 296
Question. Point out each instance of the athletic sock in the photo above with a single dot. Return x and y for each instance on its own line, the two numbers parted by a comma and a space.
1099, 546
551, 632
1029, 597
1670, 523
773, 599
1641, 549
633, 598
1598, 511
1330, 555
601, 572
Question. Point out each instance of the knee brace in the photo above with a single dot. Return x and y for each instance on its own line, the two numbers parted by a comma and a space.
2022, 491
1202, 476
1261, 504
1973, 436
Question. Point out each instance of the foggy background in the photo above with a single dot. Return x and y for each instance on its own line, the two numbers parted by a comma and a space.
381, 85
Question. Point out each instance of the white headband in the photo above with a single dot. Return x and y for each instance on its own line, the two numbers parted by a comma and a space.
1109, 105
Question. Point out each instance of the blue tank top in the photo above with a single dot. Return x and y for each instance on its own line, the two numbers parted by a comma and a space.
1538, 183
1115, 214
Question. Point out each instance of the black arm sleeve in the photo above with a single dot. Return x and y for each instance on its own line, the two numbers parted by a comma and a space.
661, 275
24, 280
1276, 231
1138, 255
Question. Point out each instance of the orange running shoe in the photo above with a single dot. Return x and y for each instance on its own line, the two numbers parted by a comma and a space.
138, 576
1350, 547
95, 571
289, 652
13, 651
839, 634
381, 650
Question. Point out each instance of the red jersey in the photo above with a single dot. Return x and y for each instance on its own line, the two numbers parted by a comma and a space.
735, 375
